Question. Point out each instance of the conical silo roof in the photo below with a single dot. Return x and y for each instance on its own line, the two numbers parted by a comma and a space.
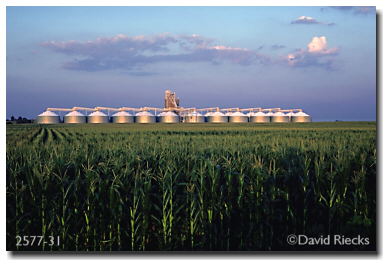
217, 113
237, 113
301, 113
48, 117
74, 113
97, 113
279, 113
167, 113
122, 113
48, 113
260, 113
144, 113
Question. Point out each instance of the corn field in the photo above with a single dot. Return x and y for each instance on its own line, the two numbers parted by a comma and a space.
184, 187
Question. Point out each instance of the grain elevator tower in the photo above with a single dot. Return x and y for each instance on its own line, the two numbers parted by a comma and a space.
170, 100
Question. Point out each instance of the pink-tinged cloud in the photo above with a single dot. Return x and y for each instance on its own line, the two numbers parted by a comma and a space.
127, 52
317, 53
119, 43
320, 45
309, 21
224, 48
133, 53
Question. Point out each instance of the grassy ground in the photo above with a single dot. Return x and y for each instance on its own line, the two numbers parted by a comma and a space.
190, 186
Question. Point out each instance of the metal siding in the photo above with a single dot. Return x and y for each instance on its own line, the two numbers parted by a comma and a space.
260, 119
194, 119
75, 119
145, 119
280, 119
168, 119
217, 119
301, 119
238, 119
97, 119
47, 119
123, 119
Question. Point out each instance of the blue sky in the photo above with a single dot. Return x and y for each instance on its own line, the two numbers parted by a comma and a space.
321, 59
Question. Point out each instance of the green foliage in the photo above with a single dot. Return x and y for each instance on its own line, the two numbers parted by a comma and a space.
189, 186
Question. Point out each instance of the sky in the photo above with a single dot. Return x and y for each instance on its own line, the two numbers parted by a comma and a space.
319, 59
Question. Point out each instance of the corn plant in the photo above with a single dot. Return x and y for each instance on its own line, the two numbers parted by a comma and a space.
187, 187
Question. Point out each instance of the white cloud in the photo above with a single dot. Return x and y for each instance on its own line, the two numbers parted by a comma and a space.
305, 19
320, 45
316, 54
309, 20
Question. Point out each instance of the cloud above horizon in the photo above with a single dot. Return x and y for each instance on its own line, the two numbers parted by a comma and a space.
316, 54
133, 53
129, 52
309, 21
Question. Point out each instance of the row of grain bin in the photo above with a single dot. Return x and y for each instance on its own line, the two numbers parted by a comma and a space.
279, 117
258, 117
49, 117
75, 117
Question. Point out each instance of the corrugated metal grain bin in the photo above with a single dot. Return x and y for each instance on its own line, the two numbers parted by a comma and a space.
168, 117
145, 117
216, 117
238, 117
300, 117
48, 117
260, 117
75, 117
122, 117
98, 117
279, 117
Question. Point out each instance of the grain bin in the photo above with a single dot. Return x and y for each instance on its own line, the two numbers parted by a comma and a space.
98, 117
145, 117
122, 117
48, 117
260, 117
75, 117
300, 117
168, 117
238, 117
279, 117
194, 117
216, 117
